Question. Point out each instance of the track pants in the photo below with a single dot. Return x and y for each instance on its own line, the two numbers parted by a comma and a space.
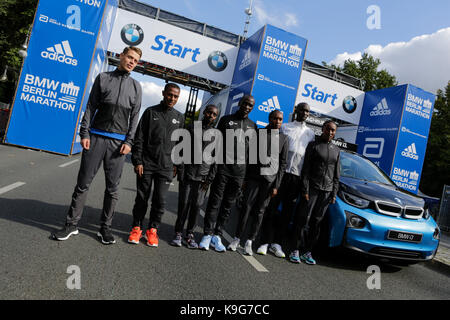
256, 199
104, 150
224, 191
310, 215
144, 188
190, 198
276, 224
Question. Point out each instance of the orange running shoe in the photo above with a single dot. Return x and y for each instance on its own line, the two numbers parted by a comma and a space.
152, 237
135, 235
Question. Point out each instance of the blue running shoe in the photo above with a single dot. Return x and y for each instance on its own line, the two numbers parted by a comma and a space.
307, 258
216, 243
204, 244
294, 257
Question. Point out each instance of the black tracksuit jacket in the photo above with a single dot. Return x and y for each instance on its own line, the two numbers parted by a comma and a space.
152, 143
232, 121
321, 168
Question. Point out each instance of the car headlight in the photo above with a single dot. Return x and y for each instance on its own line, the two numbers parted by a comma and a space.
436, 234
354, 221
354, 200
426, 214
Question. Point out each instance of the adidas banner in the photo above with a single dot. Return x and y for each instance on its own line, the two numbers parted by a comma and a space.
268, 66
53, 77
393, 132
379, 125
413, 137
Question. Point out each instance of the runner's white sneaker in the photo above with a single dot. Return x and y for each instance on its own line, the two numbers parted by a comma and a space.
234, 244
262, 249
276, 250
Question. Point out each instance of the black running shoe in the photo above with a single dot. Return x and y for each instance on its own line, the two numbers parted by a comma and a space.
106, 236
65, 232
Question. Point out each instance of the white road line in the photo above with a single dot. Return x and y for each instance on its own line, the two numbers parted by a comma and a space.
250, 259
68, 163
11, 187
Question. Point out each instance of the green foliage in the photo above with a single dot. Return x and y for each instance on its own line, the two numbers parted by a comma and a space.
16, 17
367, 69
436, 167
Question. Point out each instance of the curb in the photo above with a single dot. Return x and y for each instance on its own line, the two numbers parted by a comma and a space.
439, 264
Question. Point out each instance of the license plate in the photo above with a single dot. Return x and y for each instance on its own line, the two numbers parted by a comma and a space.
404, 236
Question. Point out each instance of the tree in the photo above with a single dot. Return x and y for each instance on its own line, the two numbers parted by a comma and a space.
367, 69
16, 17
436, 167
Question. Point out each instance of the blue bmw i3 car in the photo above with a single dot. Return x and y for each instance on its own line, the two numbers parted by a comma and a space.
374, 216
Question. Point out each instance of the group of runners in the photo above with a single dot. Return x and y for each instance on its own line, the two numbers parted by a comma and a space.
281, 201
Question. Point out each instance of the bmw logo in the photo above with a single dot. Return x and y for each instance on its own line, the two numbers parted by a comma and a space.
132, 34
217, 61
349, 104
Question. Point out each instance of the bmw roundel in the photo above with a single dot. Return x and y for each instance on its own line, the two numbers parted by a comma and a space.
132, 34
217, 61
349, 104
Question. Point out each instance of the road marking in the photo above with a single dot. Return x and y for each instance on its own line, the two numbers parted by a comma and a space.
250, 259
68, 163
11, 187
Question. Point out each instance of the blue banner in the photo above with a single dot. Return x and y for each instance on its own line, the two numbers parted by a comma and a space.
379, 125
278, 74
52, 82
413, 137
244, 71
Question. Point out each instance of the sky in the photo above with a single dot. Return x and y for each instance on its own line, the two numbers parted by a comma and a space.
411, 38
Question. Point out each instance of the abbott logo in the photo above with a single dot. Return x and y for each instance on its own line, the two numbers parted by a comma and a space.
376, 145
411, 152
381, 109
61, 53
270, 105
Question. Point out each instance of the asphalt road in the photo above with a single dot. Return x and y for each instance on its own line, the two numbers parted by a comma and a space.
35, 190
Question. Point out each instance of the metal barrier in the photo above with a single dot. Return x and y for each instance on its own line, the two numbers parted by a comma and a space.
444, 211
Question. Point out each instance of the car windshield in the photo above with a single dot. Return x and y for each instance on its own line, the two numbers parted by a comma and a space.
357, 167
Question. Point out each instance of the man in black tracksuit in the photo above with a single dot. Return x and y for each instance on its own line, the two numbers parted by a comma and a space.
230, 176
262, 182
320, 183
107, 131
151, 157
194, 180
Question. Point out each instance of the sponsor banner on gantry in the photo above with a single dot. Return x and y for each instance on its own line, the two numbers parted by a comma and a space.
330, 97
278, 74
413, 137
52, 81
173, 47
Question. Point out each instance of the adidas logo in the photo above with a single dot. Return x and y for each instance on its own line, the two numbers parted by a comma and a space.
411, 152
61, 53
381, 109
247, 60
270, 105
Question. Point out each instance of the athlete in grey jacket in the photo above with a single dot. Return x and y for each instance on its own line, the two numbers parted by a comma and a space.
107, 132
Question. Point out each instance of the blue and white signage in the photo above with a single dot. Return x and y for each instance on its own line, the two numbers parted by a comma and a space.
269, 65
278, 74
52, 82
173, 47
245, 69
379, 125
413, 137
330, 97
